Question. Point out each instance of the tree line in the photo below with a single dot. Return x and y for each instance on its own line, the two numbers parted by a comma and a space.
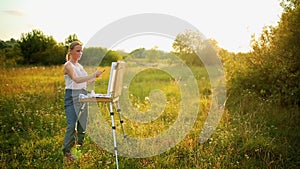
271, 70
36, 48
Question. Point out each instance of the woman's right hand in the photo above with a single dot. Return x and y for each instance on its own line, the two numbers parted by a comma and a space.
98, 73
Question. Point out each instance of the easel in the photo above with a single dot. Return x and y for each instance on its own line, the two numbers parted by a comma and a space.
112, 97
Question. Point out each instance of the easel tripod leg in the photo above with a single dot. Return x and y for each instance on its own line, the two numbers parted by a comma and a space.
114, 132
120, 117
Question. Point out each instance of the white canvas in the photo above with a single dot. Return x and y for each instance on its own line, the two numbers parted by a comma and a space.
116, 79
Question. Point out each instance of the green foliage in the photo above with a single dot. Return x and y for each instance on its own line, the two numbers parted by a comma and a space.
70, 39
253, 133
262, 130
33, 44
186, 46
10, 54
7, 44
152, 55
31, 117
33, 48
138, 53
259, 127
289, 4
271, 70
54, 55
194, 49
109, 57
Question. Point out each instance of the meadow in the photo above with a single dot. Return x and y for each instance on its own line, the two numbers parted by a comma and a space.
253, 132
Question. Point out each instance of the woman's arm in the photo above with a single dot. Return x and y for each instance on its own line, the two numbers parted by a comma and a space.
91, 81
79, 79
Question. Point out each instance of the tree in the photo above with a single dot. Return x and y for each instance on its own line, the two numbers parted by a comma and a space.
138, 53
185, 46
194, 49
70, 39
33, 44
289, 4
7, 44
272, 68
110, 56
39, 49
285, 49
54, 55
152, 54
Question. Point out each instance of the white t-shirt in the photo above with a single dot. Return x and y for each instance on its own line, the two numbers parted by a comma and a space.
79, 71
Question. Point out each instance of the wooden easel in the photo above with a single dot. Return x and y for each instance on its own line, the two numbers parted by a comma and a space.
112, 97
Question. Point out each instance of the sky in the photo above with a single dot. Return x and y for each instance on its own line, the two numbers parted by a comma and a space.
230, 22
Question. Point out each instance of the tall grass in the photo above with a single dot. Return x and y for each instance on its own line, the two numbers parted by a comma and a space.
253, 133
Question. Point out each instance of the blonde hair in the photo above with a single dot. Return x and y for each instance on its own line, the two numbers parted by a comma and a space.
72, 46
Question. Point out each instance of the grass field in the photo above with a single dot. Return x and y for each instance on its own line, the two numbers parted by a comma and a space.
253, 133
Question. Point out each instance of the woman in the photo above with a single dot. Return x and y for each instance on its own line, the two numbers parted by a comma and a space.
76, 79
